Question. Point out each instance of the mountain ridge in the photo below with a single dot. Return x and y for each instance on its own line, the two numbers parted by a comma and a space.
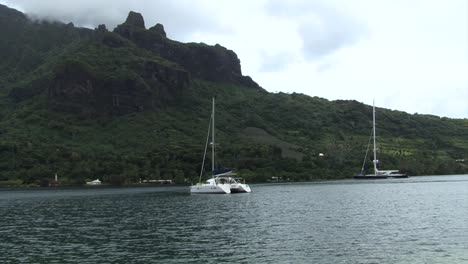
131, 104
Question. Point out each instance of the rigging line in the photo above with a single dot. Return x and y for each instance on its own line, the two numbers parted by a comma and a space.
206, 147
365, 157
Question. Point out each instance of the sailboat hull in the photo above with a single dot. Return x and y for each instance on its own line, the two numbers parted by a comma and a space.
399, 176
210, 189
240, 188
377, 177
369, 177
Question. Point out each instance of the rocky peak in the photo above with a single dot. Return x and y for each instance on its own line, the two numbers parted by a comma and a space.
101, 28
211, 63
135, 19
158, 28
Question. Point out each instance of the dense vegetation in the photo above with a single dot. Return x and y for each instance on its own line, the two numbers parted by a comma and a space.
260, 134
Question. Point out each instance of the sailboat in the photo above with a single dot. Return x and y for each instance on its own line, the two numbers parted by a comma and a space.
222, 180
378, 174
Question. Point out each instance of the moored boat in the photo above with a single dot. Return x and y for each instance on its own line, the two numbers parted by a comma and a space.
378, 174
94, 182
221, 180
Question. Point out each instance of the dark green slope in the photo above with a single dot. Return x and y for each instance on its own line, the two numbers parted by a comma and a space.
111, 105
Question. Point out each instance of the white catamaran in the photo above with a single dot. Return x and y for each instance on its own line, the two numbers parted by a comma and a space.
378, 174
222, 180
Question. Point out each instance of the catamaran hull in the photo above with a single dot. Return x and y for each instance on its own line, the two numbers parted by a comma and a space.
370, 177
398, 176
210, 189
240, 188
378, 177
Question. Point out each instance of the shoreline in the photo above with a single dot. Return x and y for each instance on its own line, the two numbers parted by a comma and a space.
145, 185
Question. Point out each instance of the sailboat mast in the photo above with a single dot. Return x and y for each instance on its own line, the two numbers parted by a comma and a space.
206, 147
375, 145
213, 138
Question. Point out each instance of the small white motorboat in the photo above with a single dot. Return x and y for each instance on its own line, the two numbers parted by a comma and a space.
95, 182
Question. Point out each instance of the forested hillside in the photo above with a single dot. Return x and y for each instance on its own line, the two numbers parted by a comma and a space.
131, 104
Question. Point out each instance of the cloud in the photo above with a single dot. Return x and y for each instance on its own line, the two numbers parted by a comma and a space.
325, 65
180, 17
276, 62
323, 28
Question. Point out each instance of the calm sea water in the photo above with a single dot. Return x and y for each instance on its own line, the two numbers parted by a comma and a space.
415, 220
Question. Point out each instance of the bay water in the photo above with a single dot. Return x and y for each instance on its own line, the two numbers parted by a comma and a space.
415, 220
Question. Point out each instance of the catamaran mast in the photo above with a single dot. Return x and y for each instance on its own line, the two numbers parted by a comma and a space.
375, 146
206, 148
213, 138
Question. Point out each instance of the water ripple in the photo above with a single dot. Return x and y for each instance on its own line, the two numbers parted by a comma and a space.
421, 221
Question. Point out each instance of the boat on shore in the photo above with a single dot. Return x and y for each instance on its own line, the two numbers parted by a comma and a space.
378, 174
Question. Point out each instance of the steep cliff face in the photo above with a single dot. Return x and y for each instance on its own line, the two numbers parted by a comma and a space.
97, 71
75, 88
212, 63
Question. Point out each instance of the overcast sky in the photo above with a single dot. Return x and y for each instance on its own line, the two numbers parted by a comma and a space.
408, 55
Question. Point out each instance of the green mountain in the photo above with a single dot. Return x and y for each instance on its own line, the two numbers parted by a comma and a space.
133, 104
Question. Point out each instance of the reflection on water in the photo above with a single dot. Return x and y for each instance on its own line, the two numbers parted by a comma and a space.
415, 220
